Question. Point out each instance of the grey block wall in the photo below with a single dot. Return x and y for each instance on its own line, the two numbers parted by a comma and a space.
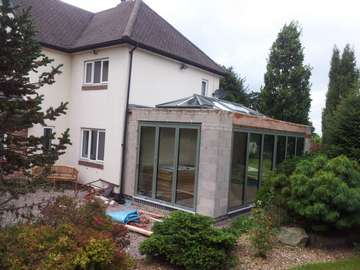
214, 158
215, 149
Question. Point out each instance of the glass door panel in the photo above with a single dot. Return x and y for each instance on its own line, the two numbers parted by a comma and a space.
166, 164
291, 147
281, 149
253, 168
146, 161
268, 154
300, 146
237, 170
186, 170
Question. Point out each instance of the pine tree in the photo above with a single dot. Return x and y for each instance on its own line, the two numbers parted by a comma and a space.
343, 129
286, 92
233, 86
343, 82
20, 103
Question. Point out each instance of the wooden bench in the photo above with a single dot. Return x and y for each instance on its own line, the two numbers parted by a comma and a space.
59, 174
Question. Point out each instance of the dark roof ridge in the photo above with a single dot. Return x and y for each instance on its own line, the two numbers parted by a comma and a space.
83, 28
133, 16
201, 51
75, 7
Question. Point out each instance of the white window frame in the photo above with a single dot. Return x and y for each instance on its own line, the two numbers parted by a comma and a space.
102, 60
89, 144
206, 87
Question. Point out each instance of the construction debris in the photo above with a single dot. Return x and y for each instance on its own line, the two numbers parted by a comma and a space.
138, 221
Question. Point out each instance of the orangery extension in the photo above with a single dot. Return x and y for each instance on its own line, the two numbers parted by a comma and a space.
205, 155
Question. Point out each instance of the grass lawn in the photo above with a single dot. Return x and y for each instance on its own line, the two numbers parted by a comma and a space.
349, 264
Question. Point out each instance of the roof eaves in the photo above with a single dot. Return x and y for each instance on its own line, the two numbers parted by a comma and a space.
130, 41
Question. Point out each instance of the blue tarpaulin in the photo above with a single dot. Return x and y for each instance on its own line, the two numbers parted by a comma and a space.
124, 216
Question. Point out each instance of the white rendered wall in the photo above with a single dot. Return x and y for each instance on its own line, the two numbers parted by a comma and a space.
55, 94
157, 79
99, 109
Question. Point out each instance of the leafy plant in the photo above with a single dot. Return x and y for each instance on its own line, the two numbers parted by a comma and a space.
241, 225
190, 241
261, 232
68, 236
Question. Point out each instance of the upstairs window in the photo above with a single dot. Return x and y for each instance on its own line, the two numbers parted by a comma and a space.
96, 71
93, 144
204, 87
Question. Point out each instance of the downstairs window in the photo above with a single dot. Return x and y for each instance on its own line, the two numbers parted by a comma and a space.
93, 144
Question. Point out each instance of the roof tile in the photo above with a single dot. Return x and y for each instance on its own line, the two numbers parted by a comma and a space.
69, 28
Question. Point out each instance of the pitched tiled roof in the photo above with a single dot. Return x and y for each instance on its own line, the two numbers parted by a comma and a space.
70, 29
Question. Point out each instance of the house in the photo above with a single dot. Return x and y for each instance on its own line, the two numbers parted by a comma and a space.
198, 154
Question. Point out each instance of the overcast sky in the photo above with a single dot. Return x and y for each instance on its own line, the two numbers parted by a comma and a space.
239, 33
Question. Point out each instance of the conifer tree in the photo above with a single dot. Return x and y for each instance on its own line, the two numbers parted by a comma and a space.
286, 92
20, 103
343, 82
233, 87
343, 129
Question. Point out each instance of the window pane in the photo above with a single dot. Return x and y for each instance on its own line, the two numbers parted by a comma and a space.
97, 71
291, 147
47, 138
281, 148
166, 164
237, 170
105, 73
185, 189
93, 144
203, 88
88, 73
85, 144
146, 161
253, 168
101, 149
300, 146
268, 155
2, 145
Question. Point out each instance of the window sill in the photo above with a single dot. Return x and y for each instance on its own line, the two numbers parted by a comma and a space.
94, 87
91, 164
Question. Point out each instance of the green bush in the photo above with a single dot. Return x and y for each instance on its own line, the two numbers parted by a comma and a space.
261, 231
190, 241
68, 236
241, 225
320, 193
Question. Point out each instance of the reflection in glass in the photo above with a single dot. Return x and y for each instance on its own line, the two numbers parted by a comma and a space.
97, 71
300, 146
185, 188
281, 149
93, 144
237, 170
146, 161
101, 146
166, 164
253, 168
291, 147
268, 154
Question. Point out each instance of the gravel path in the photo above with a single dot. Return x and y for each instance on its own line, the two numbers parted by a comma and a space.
284, 257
